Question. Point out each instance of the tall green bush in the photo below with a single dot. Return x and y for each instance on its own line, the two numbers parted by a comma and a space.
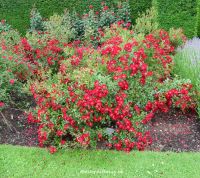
178, 13
198, 19
138, 7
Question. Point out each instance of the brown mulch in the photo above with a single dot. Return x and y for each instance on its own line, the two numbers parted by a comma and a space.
21, 132
173, 131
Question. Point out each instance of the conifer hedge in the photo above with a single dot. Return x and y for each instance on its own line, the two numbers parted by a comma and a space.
178, 13
198, 20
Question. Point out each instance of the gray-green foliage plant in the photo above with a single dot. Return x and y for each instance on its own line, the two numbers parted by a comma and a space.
36, 21
4, 27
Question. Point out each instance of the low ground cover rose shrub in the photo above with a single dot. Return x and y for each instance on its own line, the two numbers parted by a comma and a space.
9, 39
13, 70
82, 91
94, 81
10, 69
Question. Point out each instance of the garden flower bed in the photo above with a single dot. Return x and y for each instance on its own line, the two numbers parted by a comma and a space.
97, 81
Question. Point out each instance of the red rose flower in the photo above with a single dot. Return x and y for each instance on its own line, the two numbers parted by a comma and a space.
105, 8
1, 104
12, 81
59, 133
52, 149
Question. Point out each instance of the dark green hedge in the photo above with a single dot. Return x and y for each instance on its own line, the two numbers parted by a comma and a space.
178, 13
198, 20
139, 6
17, 12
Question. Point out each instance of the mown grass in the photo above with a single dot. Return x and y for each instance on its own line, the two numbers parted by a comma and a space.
16, 161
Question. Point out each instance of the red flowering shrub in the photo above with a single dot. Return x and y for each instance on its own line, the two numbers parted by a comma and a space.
85, 95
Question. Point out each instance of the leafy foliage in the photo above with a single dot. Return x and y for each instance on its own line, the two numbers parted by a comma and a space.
147, 22
177, 37
10, 38
138, 7
178, 14
11, 69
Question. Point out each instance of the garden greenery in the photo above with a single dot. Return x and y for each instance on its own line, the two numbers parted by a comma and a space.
88, 28
20, 10
169, 12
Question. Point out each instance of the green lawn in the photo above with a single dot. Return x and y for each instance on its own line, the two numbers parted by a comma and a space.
24, 162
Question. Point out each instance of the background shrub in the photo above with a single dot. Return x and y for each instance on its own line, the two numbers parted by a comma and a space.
138, 7
68, 26
17, 13
178, 13
146, 22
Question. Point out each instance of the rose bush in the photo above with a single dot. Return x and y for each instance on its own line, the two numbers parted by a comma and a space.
81, 91
103, 86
